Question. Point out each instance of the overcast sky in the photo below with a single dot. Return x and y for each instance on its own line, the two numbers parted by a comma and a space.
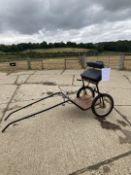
64, 20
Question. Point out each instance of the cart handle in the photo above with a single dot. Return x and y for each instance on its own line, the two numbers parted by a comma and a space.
31, 115
57, 93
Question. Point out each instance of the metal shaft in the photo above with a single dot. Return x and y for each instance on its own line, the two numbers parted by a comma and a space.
29, 105
31, 115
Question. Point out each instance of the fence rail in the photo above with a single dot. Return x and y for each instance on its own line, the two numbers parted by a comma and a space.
116, 62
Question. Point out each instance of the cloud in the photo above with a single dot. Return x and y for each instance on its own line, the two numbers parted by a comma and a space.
94, 33
71, 19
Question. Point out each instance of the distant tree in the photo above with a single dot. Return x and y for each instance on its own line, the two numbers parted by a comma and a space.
118, 46
71, 44
43, 45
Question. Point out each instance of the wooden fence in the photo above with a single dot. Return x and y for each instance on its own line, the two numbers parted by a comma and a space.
40, 64
115, 62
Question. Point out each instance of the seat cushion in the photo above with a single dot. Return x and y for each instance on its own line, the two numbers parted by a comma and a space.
92, 75
97, 64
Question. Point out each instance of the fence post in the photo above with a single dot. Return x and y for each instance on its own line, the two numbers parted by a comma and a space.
42, 67
108, 61
83, 61
29, 63
65, 64
97, 58
121, 62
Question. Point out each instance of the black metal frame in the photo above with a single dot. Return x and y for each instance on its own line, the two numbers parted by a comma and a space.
96, 89
66, 99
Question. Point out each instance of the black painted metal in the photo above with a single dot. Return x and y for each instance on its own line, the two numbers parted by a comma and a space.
97, 88
65, 100
30, 104
31, 115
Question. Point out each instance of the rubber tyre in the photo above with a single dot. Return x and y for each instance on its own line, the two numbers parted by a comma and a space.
85, 88
96, 99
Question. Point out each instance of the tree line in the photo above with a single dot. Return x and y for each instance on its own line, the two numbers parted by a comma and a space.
115, 46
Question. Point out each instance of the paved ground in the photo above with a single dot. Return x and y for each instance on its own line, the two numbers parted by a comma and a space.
64, 140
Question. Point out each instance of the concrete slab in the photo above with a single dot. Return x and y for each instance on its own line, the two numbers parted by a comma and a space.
3, 73
48, 72
71, 90
64, 140
18, 72
117, 80
33, 91
52, 79
6, 92
73, 72
6, 79
121, 96
125, 112
22, 79
2, 109
65, 136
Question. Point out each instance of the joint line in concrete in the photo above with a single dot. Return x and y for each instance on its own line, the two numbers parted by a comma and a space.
123, 116
8, 104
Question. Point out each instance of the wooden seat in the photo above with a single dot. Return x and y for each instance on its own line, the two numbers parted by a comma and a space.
84, 102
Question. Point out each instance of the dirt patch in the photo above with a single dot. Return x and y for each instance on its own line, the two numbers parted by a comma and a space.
102, 170
49, 93
49, 83
15, 124
65, 85
106, 169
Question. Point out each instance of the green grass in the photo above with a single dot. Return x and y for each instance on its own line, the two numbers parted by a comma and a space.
55, 50
40, 53
110, 53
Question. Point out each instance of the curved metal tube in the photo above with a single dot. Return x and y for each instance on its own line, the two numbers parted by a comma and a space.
29, 105
31, 115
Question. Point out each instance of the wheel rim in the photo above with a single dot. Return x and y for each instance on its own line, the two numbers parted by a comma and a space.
103, 106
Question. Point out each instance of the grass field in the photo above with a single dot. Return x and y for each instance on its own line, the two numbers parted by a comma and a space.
54, 53
109, 53
41, 53
55, 50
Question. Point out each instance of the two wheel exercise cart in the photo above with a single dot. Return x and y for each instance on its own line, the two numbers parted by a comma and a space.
87, 96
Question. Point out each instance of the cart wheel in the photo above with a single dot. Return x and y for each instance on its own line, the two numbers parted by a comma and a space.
102, 105
85, 90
